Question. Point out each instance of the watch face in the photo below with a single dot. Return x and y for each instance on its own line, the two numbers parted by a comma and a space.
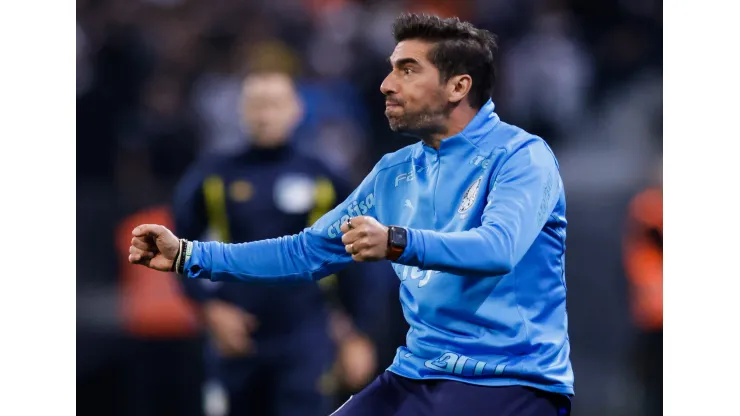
398, 237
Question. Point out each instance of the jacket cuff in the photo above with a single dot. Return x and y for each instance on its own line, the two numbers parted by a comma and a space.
413, 255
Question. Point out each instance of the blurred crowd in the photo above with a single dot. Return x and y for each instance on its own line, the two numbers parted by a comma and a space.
159, 85
162, 76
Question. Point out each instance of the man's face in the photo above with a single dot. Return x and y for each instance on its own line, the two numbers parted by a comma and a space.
271, 107
416, 102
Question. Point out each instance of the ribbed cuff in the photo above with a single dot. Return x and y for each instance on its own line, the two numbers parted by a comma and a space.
413, 255
197, 260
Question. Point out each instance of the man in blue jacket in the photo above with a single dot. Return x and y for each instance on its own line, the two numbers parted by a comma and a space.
473, 219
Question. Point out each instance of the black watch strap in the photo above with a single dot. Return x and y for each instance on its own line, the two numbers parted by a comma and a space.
397, 240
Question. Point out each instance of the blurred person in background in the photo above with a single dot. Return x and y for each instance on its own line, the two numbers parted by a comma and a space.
274, 346
548, 76
643, 259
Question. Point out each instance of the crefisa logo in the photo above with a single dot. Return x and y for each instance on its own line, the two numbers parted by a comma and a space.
354, 209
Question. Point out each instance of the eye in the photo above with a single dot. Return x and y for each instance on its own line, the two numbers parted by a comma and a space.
407, 71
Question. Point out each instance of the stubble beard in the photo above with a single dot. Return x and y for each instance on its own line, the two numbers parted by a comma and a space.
429, 120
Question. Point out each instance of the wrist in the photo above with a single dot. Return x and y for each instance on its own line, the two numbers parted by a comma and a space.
183, 255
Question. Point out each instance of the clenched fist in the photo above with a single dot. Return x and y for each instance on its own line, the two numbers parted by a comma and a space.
153, 246
365, 239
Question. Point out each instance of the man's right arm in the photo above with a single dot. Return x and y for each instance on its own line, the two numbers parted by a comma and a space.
314, 253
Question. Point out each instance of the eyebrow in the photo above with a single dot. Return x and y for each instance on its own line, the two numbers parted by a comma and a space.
404, 61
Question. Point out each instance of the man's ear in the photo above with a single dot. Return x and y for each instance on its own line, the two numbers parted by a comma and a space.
458, 87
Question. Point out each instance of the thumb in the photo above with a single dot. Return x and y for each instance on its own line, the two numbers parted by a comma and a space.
146, 230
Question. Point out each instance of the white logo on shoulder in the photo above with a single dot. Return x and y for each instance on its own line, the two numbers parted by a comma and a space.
469, 196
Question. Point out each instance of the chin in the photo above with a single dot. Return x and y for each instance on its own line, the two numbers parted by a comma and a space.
395, 124
403, 131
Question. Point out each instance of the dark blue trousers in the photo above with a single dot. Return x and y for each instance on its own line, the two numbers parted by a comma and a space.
393, 395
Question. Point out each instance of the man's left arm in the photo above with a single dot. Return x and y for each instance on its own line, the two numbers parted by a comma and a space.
524, 195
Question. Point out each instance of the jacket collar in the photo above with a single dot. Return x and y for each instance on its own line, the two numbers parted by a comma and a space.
482, 124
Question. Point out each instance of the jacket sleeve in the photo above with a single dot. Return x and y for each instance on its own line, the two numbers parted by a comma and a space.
313, 253
524, 195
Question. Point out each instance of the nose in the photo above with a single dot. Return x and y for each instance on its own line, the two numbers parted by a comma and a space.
388, 87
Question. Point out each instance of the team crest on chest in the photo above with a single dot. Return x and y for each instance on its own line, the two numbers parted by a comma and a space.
469, 196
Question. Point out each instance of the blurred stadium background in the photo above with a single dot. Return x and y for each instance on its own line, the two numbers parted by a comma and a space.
158, 84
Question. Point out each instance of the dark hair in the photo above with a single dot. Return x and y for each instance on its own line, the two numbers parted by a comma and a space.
460, 48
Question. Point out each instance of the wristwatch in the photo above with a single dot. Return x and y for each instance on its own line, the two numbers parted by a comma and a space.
397, 239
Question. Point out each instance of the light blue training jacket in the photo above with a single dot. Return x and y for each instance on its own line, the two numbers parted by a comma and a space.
483, 276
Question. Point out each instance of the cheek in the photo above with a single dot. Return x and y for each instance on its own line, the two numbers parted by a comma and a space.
426, 93
437, 93
414, 97
253, 114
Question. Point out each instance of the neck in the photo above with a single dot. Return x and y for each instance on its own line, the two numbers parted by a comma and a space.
262, 153
458, 119
266, 145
